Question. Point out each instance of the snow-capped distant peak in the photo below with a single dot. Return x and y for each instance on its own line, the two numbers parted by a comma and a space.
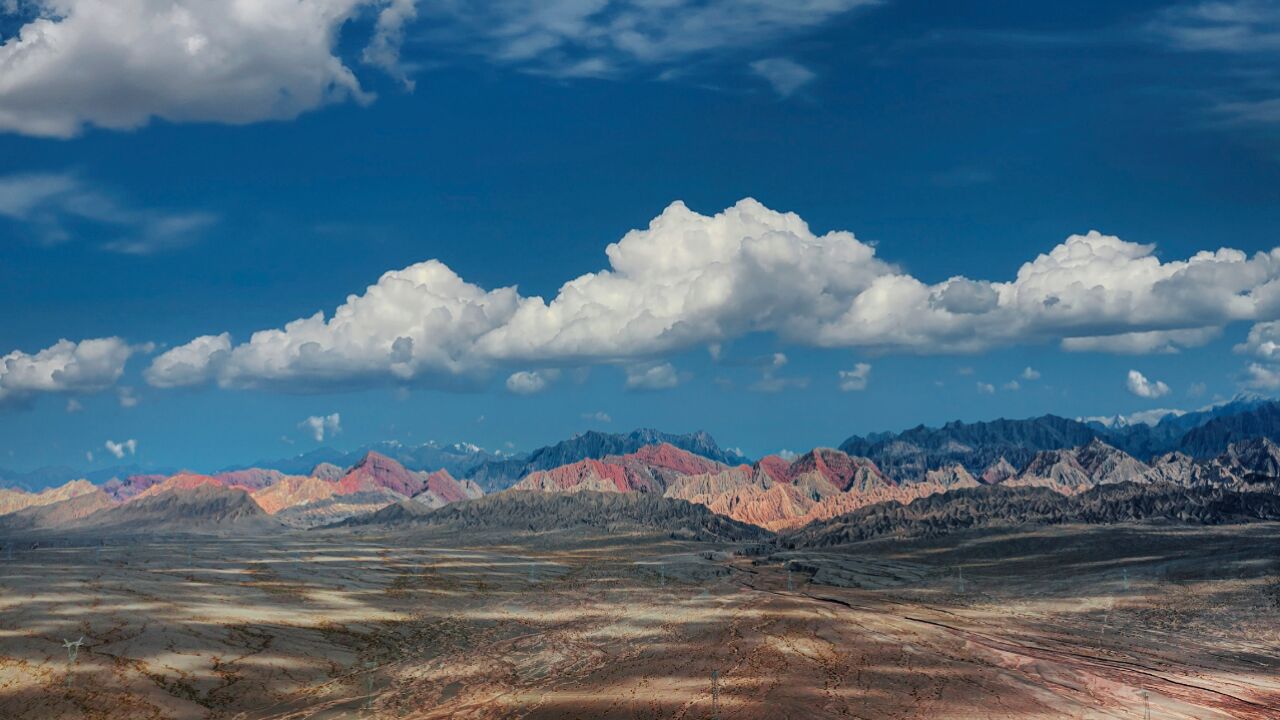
1143, 417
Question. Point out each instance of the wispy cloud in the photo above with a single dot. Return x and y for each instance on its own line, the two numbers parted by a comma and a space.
1250, 112
1247, 30
961, 177
125, 395
772, 384
607, 38
1233, 26
784, 75
53, 206
856, 379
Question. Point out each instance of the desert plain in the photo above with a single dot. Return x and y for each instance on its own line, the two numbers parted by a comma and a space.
1123, 621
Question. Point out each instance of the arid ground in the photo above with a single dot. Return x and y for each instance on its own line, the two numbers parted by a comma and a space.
1069, 622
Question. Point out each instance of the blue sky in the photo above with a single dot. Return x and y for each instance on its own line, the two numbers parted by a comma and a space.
182, 195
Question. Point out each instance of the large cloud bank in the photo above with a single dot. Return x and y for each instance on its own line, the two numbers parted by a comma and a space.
691, 279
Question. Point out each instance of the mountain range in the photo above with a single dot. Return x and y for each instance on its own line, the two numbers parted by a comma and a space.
1200, 434
460, 459
999, 506
1188, 464
500, 474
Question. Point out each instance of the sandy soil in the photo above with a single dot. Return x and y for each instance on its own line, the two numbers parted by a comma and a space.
1065, 623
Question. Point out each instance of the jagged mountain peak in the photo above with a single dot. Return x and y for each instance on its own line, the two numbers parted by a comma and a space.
596, 445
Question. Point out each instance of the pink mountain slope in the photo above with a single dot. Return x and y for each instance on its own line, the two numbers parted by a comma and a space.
376, 470
650, 469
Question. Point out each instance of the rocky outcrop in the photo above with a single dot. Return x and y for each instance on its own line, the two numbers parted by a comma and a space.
58, 514
336, 508
327, 471
442, 489
249, 479
1075, 471
291, 491
16, 500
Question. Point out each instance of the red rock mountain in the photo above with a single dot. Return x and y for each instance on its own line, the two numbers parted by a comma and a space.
650, 469
773, 493
376, 470
330, 494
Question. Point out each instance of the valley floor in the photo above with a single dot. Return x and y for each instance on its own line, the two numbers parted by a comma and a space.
1072, 622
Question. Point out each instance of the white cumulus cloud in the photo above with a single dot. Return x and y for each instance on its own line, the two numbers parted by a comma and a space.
1262, 377
692, 280
66, 366
120, 449
1030, 373
1143, 343
652, 376
1263, 341
855, 379
190, 364
118, 63
529, 382
1139, 385
320, 425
